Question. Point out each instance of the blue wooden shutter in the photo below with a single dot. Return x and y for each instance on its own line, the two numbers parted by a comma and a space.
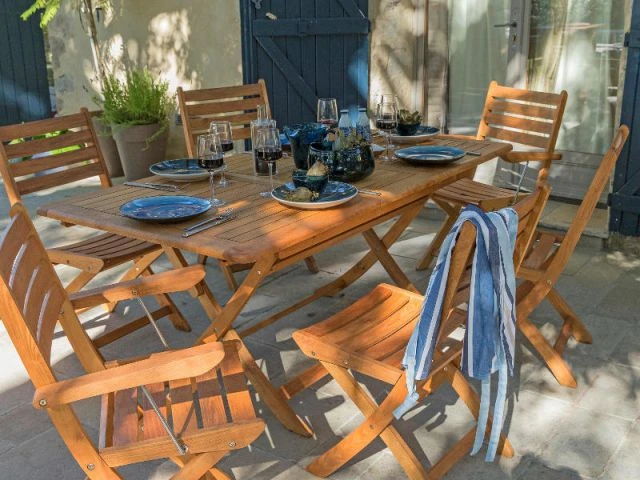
625, 198
24, 88
305, 49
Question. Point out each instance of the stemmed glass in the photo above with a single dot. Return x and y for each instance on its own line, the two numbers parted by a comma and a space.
387, 120
223, 129
211, 158
388, 98
268, 149
327, 112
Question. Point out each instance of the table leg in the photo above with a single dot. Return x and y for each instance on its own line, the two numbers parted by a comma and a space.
220, 329
272, 397
201, 290
393, 269
354, 272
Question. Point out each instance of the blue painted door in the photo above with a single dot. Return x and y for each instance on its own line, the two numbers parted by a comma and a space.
306, 49
24, 88
625, 196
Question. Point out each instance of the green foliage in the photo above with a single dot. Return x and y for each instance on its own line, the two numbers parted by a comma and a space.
39, 137
50, 8
139, 100
405, 117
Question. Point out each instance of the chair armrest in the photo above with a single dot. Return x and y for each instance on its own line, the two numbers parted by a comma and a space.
161, 367
517, 157
166, 282
87, 263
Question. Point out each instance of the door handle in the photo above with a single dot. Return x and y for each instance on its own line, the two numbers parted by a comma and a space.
505, 25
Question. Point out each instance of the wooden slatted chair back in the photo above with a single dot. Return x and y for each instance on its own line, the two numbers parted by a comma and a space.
47, 153
529, 211
236, 104
33, 300
587, 206
525, 117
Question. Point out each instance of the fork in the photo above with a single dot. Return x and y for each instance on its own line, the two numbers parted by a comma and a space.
227, 212
154, 186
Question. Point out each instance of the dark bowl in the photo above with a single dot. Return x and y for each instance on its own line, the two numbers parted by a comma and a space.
313, 183
407, 129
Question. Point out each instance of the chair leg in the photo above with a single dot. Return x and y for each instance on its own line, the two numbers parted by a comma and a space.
218, 474
472, 401
227, 272
578, 329
312, 265
197, 466
377, 423
179, 322
434, 247
559, 368
139, 266
80, 281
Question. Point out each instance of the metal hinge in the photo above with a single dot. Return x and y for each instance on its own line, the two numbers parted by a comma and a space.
627, 37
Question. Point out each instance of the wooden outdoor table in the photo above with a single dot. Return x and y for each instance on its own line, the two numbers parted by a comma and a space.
272, 237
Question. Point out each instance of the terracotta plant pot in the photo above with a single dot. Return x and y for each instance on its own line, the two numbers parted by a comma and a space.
108, 147
132, 146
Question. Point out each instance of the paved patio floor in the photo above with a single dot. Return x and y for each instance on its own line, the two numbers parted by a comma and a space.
591, 432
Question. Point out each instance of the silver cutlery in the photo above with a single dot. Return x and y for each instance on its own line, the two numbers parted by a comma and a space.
223, 214
473, 154
369, 192
207, 226
154, 186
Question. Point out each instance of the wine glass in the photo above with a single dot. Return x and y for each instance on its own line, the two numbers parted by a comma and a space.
327, 112
387, 120
387, 98
223, 129
268, 149
211, 158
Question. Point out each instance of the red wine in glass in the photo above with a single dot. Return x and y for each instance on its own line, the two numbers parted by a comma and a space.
211, 162
329, 122
386, 124
268, 155
227, 145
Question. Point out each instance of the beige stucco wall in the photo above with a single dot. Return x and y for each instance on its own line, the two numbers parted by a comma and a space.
397, 51
191, 43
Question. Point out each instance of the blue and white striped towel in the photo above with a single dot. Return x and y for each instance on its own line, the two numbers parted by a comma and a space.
489, 341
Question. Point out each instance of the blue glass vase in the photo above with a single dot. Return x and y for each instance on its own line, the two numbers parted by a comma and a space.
301, 136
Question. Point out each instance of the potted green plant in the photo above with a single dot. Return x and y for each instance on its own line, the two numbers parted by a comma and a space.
138, 111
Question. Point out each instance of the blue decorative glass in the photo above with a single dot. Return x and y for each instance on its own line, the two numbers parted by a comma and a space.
348, 165
301, 136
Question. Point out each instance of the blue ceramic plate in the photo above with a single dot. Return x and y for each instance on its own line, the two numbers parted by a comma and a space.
335, 193
423, 133
180, 170
284, 141
429, 155
165, 208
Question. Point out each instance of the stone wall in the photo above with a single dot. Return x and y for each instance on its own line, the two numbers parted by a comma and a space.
192, 43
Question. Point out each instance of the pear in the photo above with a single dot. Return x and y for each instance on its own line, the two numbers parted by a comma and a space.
318, 169
301, 194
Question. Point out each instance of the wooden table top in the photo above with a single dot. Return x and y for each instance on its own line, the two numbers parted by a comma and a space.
263, 227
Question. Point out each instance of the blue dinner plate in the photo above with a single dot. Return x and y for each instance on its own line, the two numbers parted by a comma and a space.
165, 208
429, 155
334, 194
423, 134
181, 170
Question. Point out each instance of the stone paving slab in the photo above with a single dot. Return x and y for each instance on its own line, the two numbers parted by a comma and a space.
591, 432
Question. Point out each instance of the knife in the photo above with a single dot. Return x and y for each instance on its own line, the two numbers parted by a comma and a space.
154, 186
208, 226
223, 214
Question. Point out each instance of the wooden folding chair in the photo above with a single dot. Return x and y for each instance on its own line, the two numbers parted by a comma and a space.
38, 155
370, 337
237, 105
190, 405
526, 118
549, 254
